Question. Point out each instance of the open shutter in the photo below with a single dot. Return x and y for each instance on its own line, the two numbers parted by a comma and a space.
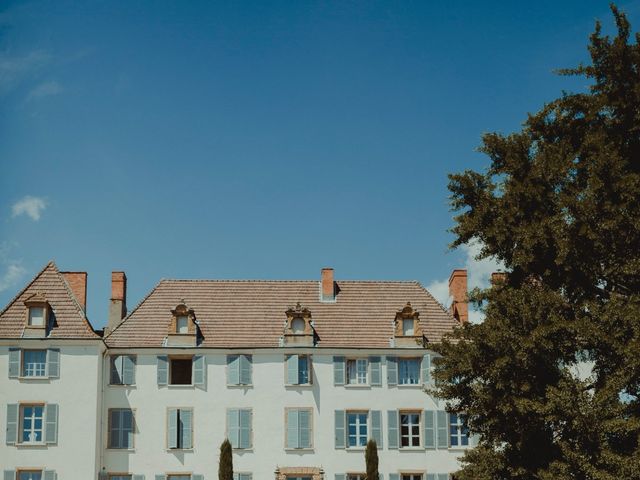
49, 475
128, 370
14, 362
197, 476
161, 476
431, 476
374, 369
233, 369
394, 476
245, 369
233, 427
340, 476
443, 476
186, 421
292, 429
338, 370
339, 423
245, 428
12, 423
292, 370
376, 427
392, 371
172, 428
198, 371
443, 428
474, 439
51, 430
9, 475
127, 428
392, 429
429, 429
304, 426
53, 363
426, 369
163, 370
138, 477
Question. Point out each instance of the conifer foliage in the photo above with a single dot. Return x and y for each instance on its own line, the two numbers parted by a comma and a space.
371, 460
225, 466
551, 378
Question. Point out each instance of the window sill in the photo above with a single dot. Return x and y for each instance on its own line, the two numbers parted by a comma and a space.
410, 385
173, 450
180, 386
301, 450
364, 386
122, 385
301, 385
126, 450
242, 450
239, 385
22, 378
32, 445
355, 449
411, 449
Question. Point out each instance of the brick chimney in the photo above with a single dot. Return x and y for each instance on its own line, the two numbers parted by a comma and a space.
498, 278
458, 292
327, 287
118, 304
78, 284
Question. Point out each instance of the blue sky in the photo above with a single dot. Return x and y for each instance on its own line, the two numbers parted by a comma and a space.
260, 139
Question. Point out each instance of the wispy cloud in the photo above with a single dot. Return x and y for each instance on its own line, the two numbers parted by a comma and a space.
479, 275
15, 68
30, 206
45, 89
12, 270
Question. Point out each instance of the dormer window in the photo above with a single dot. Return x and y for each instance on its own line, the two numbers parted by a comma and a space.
182, 324
37, 316
408, 332
183, 329
298, 329
297, 325
408, 326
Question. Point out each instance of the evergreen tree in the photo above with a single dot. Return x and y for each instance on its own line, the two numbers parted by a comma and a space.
371, 460
560, 206
225, 467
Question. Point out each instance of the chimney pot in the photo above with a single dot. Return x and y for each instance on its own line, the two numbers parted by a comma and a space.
78, 283
118, 304
328, 291
458, 291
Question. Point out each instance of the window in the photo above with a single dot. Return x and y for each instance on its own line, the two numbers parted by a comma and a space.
30, 475
357, 371
242, 476
298, 369
407, 326
299, 428
120, 477
34, 363
182, 324
180, 373
178, 477
32, 423
180, 428
357, 429
120, 428
409, 429
356, 476
239, 427
458, 433
408, 371
298, 325
411, 476
37, 316
122, 370
239, 369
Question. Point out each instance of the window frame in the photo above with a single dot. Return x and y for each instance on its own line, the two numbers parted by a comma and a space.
410, 435
20, 471
355, 475
367, 424
23, 373
112, 360
418, 371
311, 429
133, 429
357, 383
21, 418
170, 359
411, 474
115, 476
45, 315
178, 432
459, 434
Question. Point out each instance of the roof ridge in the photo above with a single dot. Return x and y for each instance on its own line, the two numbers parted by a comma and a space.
51, 263
253, 280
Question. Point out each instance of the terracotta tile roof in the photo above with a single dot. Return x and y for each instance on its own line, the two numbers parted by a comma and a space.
71, 321
249, 313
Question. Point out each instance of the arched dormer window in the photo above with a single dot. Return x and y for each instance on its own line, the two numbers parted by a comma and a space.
182, 328
38, 315
298, 329
407, 326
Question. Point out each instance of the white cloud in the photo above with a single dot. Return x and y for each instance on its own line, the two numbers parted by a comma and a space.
479, 275
13, 272
31, 206
45, 89
13, 69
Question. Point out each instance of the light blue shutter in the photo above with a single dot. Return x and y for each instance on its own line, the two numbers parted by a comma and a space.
374, 367
233, 369
339, 429
338, 370
138, 477
114, 429
376, 427
172, 427
163, 370
245, 369
12, 423
129, 370
53, 362
14, 362
340, 476
198, 371
292, 429
392, 429
431, 476
292, 370
426, 369
186, 421
443, 428
304, 424
429, 429
394, 476
51, 430
392, 371
9, 475
443, 476
245, 428
49, 475
127, 428
474, 439
233, 427
197, 476
161, 477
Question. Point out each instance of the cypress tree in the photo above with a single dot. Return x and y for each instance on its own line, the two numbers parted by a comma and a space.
225, 467
559, 205
371, 460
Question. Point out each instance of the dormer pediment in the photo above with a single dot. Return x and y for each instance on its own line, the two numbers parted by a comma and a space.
407, 328
298, 328
183, 328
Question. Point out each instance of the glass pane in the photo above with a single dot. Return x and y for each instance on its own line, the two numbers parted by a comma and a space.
297, 325
303, 369
407, 326
36, 316
34, 363
182, 324
351, 371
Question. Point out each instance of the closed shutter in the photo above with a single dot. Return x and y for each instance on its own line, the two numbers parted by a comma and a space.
392, 371
163, 370
245, 428
49, 475
233, 369
339, 429
51, 430
186, 430
340, 476
443, 428
374, 369
431, 476
12, 423
304, 421
197, 476
53, 363
245, 369
9, 475
244, 476
429, 429
138, 477
233, 427
392, 429
443, 476
394, 476
338, 370
292, 370
14, 362
129, 370
161, 476
474, 439
198, 371
426, 369
292, 429
172, 428
376, 427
